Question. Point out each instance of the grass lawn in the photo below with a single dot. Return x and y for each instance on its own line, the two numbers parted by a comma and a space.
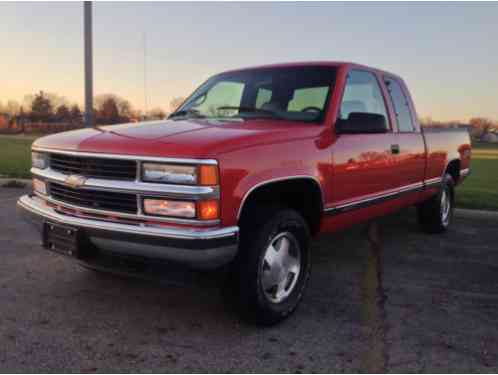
15, 156
479, 191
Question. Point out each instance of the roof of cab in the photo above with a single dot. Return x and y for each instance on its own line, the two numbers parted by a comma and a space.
316, 63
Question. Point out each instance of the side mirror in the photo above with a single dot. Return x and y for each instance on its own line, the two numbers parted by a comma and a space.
362, 123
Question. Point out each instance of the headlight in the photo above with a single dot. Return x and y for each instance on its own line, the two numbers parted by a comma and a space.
165, 207
39, 160
180, 174
169, 173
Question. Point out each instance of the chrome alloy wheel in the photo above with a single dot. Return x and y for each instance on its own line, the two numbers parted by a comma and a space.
281, 266
445, 207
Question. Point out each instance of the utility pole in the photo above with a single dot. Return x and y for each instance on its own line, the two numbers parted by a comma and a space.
88, 63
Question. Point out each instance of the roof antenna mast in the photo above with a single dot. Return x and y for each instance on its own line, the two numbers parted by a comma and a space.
145, 76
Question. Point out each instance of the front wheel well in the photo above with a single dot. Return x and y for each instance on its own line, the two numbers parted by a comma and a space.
453, 169
301, 194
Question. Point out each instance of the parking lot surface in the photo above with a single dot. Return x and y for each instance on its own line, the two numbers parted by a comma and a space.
396, 300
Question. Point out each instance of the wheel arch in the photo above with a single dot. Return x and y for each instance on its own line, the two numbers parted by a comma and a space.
284, 190
453, 169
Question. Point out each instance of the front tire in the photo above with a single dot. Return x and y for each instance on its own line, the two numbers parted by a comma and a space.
436, 214
274, 264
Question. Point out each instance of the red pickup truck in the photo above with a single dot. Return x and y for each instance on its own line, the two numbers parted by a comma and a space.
252, 166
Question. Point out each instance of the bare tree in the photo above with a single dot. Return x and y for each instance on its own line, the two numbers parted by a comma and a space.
63, 114
125, 109
76, 115
113, 109
12, 108
41, 108
481, 126
156, 114
28, 100
175, 103
55, 99
108, 112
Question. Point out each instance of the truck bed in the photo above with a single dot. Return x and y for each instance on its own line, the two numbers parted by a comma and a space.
443, 145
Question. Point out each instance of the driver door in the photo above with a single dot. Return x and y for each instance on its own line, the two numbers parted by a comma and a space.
363, 164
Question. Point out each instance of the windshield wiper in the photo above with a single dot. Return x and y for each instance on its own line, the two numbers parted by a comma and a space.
187, 113
248, 110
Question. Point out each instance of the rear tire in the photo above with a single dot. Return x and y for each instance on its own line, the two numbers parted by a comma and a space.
436, 214
274, 264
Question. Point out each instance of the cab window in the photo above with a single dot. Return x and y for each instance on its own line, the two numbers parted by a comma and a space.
362, 94
224, 93
313, 98
263, 96
400, 105
290, 93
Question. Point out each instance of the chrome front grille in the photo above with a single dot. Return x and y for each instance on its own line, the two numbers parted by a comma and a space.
108, 186
104, 168
95, 199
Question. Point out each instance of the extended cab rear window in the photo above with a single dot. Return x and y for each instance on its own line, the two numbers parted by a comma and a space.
400, 104
289, 93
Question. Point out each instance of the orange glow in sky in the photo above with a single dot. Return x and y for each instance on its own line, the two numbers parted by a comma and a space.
447, 53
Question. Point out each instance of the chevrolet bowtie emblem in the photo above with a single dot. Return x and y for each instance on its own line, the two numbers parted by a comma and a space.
75, 181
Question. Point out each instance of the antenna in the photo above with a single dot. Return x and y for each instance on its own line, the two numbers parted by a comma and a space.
145, 75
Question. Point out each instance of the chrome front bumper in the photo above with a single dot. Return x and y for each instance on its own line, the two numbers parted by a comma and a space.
202, 248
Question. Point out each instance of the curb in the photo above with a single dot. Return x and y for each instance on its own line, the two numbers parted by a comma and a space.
480, 214
7, 179
19, 183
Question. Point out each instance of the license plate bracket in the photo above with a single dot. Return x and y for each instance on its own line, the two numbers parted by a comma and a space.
62, 239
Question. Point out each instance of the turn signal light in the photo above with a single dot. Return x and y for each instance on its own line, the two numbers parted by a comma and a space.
208, 210
208, 175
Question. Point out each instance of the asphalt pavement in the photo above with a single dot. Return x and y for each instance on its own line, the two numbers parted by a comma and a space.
382, 298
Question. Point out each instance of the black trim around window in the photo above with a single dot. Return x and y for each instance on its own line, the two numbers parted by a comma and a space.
387, 78
380, 85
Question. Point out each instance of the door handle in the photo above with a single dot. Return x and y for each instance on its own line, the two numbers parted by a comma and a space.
395, 149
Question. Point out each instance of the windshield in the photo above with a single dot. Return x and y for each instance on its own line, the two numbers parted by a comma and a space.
296, 94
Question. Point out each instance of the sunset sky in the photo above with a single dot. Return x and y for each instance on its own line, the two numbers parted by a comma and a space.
447, 53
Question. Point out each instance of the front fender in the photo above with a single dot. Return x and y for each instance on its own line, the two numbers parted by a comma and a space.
242, 172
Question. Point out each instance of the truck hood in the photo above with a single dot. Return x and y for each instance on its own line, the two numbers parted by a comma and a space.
199, 138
